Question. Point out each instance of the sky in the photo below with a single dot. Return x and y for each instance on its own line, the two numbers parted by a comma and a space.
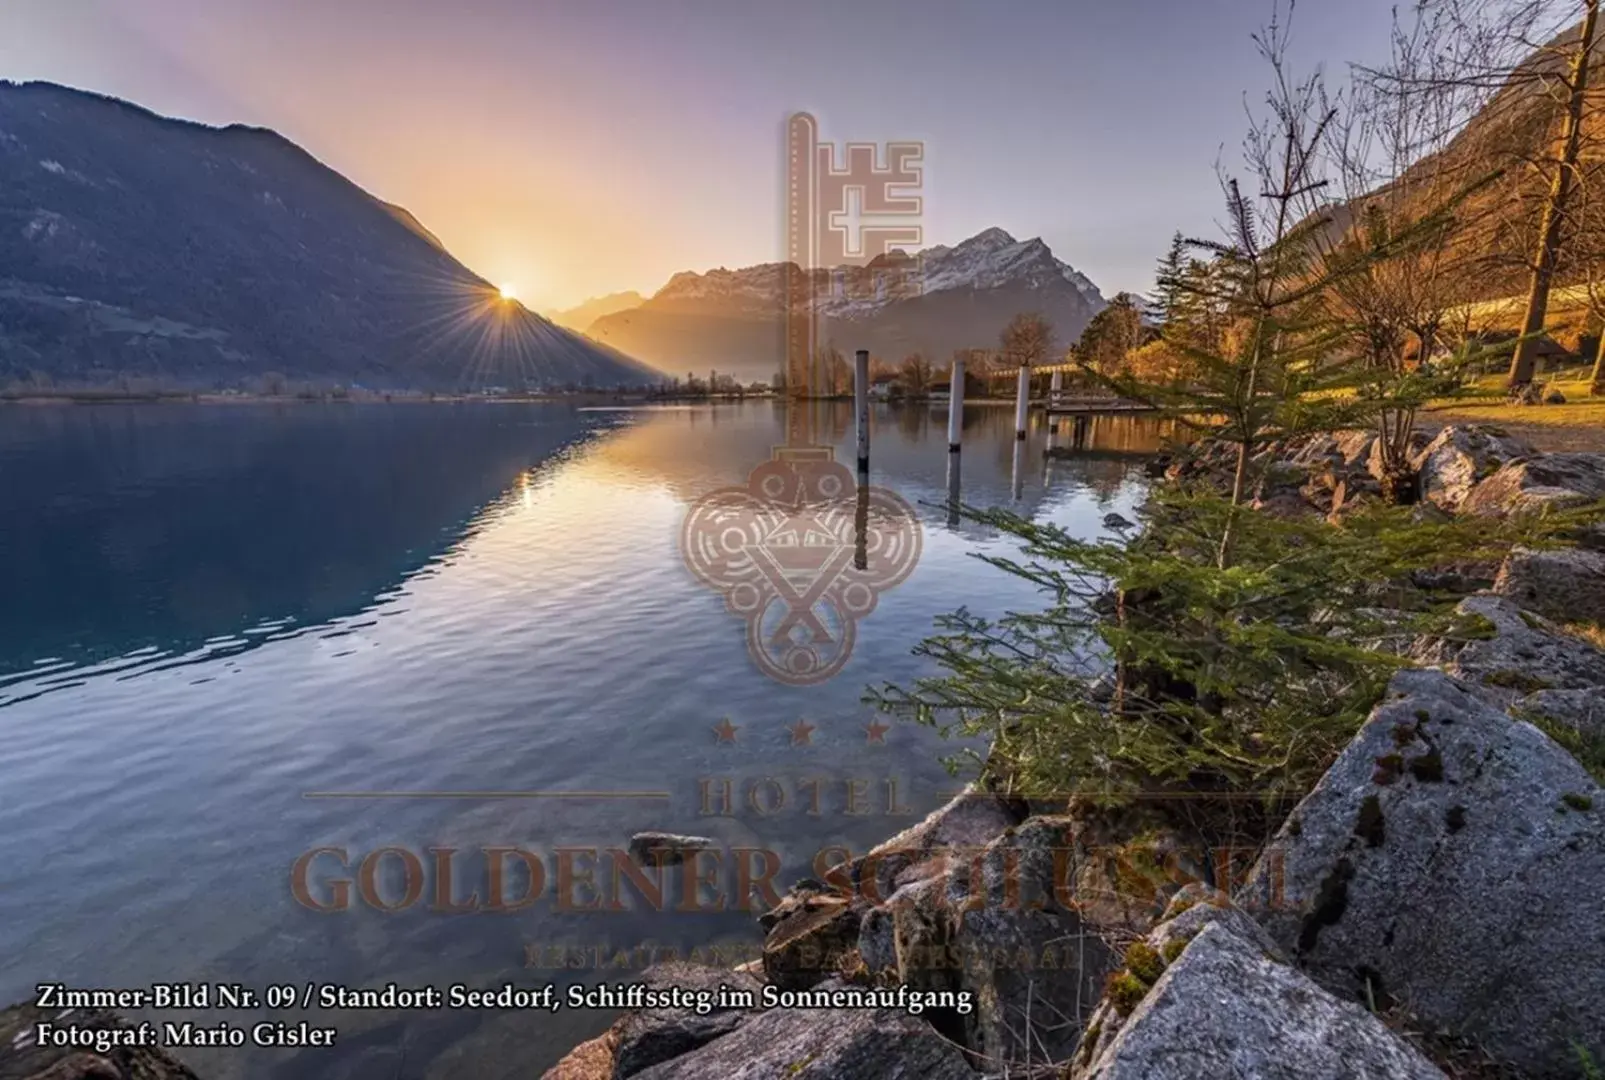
574, 148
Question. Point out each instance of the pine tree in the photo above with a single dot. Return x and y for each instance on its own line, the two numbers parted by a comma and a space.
1166, 302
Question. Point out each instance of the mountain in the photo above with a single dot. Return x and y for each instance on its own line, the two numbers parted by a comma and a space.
132, 245
962, 297
581, 317
1505, 155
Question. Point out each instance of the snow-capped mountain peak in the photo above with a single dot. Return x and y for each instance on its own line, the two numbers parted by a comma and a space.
991, 259
991, 239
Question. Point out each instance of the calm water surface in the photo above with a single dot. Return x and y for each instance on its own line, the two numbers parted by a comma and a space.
230, 635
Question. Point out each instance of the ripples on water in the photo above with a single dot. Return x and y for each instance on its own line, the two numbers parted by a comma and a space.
212, 612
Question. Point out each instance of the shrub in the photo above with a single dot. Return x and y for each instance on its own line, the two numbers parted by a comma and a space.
1245, 678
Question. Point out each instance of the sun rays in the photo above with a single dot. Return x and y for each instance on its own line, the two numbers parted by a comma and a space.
497, 341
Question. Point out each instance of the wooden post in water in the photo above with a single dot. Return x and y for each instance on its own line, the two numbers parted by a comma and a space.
861, 522
955, 407
1022, 401
861, 406
953, 481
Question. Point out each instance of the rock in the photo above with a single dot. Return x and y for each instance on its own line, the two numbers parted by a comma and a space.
1352, 494
1568, 585
811, 941
1581, 710
998, 927
1117, 521
1319, 451
877, 931
822, 1044
1460, 457
1509, 653
1591, 537
1354, 447
591, 1060
1126, 864
672, 848
964, 826
1452, 859
647, 1037
1526, 394
1531, 484
1192, 909
1223, 1008
818, 936
22, 1058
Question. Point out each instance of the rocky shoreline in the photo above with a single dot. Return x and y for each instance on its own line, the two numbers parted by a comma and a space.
1431, 909
1434, 907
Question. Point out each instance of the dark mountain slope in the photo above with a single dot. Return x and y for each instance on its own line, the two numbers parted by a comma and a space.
134, 245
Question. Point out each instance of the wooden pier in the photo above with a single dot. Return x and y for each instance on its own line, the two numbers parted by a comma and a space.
1069, 404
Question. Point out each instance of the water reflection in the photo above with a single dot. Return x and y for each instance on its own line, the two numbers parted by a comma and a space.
480, 599
167, 530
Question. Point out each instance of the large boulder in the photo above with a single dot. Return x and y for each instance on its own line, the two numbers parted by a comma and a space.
1530, 484
1581, 710
822, 1044
1225, 1007
1461, 457
1002, 927
1452, 859
1509, 653
1568, 585
645, 1037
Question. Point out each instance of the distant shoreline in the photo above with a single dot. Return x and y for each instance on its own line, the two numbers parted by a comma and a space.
100, 397
411, 397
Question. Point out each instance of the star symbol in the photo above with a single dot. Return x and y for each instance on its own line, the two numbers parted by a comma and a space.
725, 730
876, 731
802, 733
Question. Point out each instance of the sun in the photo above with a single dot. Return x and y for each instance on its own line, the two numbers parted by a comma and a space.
509, 292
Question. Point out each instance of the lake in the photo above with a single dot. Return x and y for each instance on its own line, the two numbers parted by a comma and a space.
234, 635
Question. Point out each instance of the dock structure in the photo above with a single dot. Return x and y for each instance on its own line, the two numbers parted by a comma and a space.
1059, 400
1070, 403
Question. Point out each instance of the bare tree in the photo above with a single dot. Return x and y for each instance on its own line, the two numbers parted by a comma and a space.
1562, 185
831, 372
916, 373
1521, 68
1400, 219
1027, 340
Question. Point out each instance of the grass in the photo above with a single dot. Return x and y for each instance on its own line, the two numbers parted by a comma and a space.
1485, 403
1593, 633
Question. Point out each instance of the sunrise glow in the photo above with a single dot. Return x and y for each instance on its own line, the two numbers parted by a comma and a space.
509, 293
